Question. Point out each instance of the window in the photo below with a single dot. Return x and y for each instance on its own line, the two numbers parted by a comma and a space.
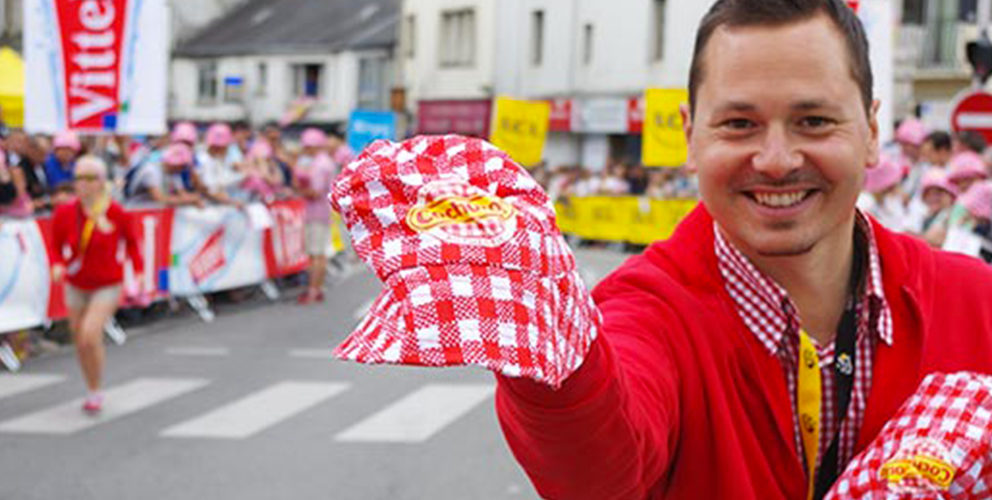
307, 79
262, 78
537, 37
458, 38
207, 81
587, 44
372, 83
658, 30
914, 12
410, 35
967, 10
940, 48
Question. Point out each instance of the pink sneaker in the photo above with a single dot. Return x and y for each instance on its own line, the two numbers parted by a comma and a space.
93, 404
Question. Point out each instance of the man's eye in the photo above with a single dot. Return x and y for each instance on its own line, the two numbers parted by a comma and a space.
738, 124
816, 121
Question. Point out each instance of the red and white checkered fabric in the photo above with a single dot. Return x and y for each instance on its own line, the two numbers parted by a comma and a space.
939, 445
475, 269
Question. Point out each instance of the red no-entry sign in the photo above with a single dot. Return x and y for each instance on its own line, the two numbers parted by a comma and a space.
973, 111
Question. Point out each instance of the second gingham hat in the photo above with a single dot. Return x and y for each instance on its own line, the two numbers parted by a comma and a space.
938, 445
475, 269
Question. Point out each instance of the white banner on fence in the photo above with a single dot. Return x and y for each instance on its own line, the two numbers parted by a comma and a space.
213, 249
96, 65
24, 278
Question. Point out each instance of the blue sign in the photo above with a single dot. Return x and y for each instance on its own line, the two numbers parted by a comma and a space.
366, 126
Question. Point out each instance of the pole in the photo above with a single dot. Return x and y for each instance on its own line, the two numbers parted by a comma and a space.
983, 14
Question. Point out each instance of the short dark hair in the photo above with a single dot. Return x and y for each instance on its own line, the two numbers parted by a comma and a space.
940, 140
972, 140
737, 13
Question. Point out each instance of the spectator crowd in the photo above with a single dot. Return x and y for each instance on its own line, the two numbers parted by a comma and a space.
933, 184
223, 164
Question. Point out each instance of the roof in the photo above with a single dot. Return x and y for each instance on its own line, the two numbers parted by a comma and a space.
297, 26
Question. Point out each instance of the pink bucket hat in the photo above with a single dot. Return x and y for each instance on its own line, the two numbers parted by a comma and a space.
911, 131
67, 139
177, 154
219, 135
475, 269
886, 174
313, 138
184, 132
937, 178
966, 165
260, 149
938, 445
978, 200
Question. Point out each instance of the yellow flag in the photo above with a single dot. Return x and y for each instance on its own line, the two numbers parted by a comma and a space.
520, 128
663, 141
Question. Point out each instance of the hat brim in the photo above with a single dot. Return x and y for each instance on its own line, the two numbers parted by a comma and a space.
513, 322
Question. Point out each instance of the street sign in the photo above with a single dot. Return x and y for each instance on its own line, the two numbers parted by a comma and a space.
973, 111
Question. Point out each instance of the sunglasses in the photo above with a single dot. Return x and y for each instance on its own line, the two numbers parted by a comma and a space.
89, 177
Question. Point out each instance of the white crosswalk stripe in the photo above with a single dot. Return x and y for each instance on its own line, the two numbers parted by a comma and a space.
14, 384
413, 418
258, 411
325, 354
418, 416
198, 351
119, 401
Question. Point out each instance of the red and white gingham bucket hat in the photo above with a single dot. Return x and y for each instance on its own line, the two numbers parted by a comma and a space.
475, 269
938, 445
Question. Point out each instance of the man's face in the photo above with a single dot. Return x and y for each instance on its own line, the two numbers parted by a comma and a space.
272, 134
780, 138
934, 156
64, 155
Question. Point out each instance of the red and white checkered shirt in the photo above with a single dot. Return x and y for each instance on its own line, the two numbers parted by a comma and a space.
768, 312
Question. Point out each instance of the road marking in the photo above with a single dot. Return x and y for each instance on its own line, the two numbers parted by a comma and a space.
326, 354
120, 401
418, 416
12, 385
256, 412
198, 351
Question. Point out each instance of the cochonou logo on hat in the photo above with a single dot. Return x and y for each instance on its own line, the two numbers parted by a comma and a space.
457, 212
920, 465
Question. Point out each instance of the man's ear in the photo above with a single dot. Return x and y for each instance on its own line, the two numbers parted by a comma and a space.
874, 150
690, 163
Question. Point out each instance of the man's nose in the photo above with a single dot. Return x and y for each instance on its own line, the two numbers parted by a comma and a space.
778, 155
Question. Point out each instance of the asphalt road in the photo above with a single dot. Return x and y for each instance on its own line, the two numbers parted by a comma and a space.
251, 406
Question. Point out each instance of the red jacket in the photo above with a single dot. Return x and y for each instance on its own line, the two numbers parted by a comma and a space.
100, 265
678, 399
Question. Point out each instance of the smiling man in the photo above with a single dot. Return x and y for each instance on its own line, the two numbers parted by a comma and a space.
763, 346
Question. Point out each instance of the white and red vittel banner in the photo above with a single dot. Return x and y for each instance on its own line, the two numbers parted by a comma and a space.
97, 66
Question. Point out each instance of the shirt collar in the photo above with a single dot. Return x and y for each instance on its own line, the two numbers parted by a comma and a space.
766, 307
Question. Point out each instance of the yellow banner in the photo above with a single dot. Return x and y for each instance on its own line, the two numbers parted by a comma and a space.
520, 128
663, 141
640, 221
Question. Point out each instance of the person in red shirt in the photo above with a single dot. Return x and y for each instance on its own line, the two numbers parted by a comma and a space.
86, 235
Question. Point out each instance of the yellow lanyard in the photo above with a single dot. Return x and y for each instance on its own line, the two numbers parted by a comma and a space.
809, 400
99, 208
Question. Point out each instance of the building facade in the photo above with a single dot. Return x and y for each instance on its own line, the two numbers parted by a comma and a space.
591, 59
296, 62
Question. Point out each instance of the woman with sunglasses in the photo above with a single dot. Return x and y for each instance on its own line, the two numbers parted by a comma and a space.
86, 234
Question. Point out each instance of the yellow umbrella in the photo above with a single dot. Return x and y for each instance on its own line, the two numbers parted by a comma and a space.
12, 87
